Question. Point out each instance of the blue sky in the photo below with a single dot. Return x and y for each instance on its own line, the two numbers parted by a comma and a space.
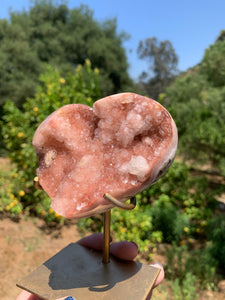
191, 25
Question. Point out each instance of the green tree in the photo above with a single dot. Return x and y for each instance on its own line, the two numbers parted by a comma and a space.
19, 65
53, 33
213, 64
162, 61
221, 36
196, 101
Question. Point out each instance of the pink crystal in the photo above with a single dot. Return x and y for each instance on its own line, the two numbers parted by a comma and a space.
121, 146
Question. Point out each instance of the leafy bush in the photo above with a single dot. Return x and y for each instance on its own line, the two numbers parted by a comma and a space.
136, 225
216, 240
167, 219
18, 128
10, 194
185, 290
189, 195
181, 260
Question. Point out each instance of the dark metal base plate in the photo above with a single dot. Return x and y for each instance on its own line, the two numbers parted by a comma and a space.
79, 272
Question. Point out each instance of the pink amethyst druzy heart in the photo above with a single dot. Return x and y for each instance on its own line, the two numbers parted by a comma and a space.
120, 146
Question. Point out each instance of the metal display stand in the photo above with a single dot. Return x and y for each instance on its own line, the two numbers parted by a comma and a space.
86, 274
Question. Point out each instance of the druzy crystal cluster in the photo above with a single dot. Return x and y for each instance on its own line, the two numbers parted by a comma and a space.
120, 146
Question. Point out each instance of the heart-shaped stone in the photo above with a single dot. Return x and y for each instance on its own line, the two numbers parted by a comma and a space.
121, 146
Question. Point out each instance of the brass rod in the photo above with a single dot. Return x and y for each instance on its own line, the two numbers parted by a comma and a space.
106, 236
37, 183
125, 206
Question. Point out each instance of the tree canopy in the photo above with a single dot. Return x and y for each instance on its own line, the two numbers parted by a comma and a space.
196, 101
53, 33
162, 61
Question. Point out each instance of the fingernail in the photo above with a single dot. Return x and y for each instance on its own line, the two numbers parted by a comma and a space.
69, 298
157, 264
135, 244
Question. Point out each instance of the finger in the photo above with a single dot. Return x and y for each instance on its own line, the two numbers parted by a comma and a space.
124, 250
159, 278
149, 296
24, 295
161, 274
94, 241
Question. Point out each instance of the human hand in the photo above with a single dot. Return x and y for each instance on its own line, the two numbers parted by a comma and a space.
123, 250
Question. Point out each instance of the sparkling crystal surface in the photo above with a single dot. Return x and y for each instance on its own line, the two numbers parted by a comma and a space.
121, 146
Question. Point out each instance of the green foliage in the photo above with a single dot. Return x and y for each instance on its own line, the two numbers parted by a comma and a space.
126, 226
196, 101
10, 194
216, 238
168, 220
162, 61
186, 290
161, 55
19, 65
200, 263
52, 33
221, 36
198, 108
213, 64
18, 127
181, 192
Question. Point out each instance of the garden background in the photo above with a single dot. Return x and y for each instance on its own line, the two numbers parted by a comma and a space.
50, 56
